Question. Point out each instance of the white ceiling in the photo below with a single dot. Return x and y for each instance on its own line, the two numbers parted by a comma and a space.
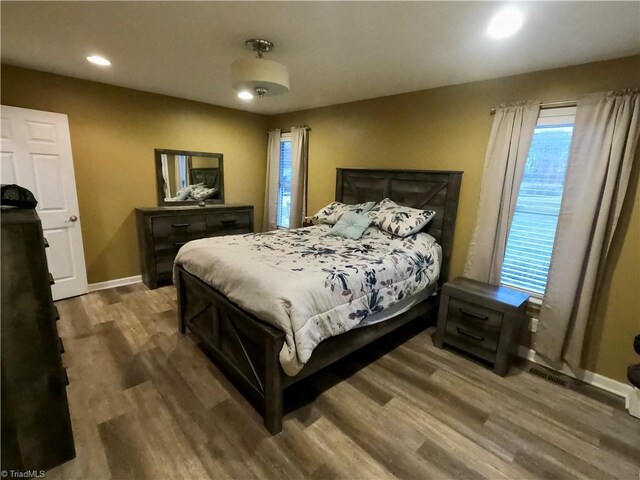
337, 51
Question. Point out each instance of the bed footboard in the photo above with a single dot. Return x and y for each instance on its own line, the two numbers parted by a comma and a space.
246, 348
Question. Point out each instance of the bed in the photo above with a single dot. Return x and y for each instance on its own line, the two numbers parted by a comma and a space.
261, 356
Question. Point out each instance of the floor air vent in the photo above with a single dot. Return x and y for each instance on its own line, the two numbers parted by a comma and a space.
548, 376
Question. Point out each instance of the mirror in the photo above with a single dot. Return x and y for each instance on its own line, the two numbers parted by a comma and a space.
187, 178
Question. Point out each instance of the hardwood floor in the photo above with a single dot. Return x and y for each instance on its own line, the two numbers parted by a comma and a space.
147, 403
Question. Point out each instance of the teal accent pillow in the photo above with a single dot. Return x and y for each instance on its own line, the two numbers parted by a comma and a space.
351, 225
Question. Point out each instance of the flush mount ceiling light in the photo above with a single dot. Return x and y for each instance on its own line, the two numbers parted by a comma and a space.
259, 75
98, 60
505, 23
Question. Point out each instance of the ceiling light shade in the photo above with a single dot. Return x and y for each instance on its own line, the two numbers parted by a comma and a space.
248, 74
265, 77
505, 23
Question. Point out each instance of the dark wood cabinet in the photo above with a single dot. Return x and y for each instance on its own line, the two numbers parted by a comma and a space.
36, 425
163, 230
482, 320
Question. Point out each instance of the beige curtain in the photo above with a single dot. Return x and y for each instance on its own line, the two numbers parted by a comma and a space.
164, 161
509, 142
269, 219
299, 149
603, 147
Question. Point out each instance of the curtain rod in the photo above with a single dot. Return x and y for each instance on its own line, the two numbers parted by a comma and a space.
289, 131
544, 106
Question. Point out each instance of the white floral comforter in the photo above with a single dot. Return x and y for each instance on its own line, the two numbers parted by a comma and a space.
310, 285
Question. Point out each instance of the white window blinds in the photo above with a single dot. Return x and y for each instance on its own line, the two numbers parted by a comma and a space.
533, 229
284, 183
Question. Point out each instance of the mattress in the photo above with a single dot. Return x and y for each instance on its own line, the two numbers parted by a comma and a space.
311, 285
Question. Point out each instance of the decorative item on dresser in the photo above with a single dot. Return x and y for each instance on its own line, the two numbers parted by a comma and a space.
482, 320
163, 230
36, 426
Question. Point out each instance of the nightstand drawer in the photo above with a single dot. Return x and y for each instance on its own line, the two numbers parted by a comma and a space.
477, 316
463, 334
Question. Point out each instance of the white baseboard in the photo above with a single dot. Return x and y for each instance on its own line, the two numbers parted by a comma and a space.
633, 403
628, 392
118, 282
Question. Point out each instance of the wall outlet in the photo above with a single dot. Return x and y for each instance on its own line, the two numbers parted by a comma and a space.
533, 325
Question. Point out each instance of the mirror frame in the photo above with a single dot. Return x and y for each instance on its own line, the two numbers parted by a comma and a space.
160, 181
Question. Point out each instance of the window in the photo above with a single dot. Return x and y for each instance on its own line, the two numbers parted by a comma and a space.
182, 167
533, 228
284, 183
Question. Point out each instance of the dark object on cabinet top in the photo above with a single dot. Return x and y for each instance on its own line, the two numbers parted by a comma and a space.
16, 196
36, 425
163, 230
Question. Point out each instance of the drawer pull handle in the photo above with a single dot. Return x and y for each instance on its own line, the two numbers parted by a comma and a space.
477, 338
474, 315
51, 280
179, 244
180, 225
46, 243
228, 222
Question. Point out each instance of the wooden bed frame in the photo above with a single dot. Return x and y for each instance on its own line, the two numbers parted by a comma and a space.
247, 349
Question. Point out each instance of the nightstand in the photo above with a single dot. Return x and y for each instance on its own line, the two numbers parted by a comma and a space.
482, 320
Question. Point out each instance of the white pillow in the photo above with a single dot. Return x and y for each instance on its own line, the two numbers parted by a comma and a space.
202, 192
398, 219
332, 212
183, 194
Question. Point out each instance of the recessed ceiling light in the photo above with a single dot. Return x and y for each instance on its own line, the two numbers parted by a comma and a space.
505, 23
98, 60
245, 95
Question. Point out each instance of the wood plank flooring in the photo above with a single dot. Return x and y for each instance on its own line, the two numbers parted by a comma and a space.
146, 403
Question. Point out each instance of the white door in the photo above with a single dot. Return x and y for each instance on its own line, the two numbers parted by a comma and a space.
36, 154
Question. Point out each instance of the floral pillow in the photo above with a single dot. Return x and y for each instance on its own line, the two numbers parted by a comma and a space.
332, 212
202, 192
183, 194
398, 219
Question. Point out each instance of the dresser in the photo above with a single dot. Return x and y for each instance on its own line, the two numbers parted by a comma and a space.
36, 426
163, 230
481, 319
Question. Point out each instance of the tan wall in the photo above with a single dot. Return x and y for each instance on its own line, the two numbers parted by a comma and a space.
113, 133
448, 128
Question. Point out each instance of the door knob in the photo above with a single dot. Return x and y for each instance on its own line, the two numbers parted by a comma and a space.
73, 218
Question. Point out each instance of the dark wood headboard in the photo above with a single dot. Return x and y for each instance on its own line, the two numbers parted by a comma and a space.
436, 190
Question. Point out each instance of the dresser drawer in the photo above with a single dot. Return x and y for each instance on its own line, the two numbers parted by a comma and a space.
229, 221
177, 226
463, 335
170, 233
164, 260
473, 315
